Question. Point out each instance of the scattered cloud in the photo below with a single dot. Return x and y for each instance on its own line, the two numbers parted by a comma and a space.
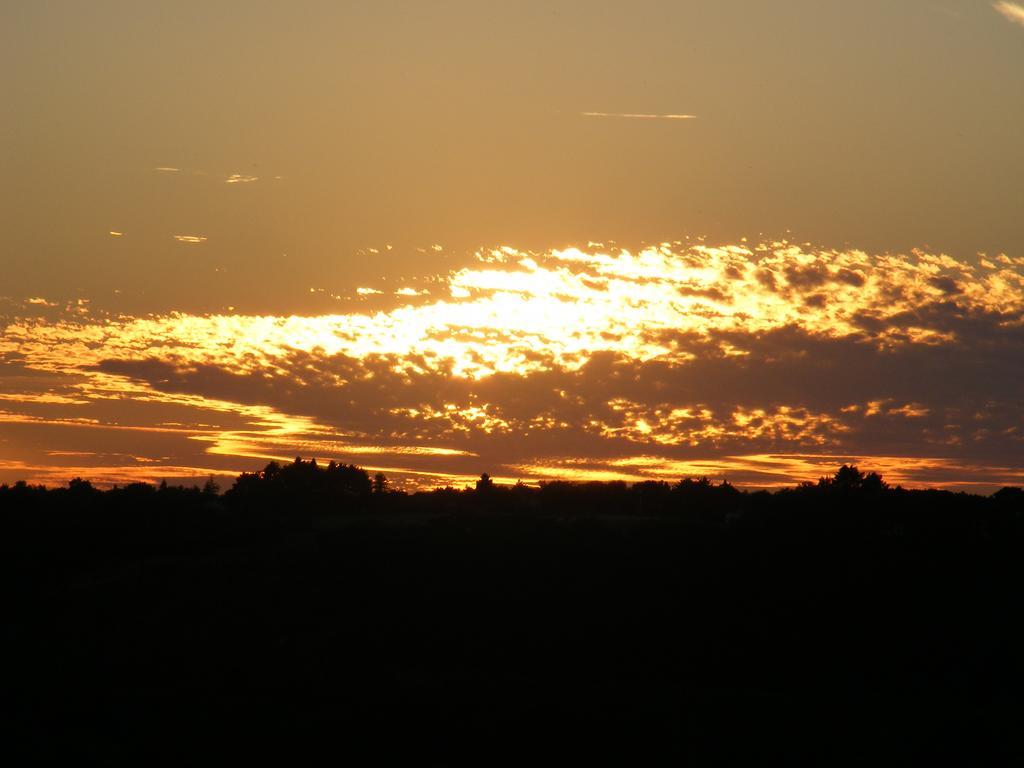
639, 116
237, 178
686, 354
1012, 11
167, 169
190, 238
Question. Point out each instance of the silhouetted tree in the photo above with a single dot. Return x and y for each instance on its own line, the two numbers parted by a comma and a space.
211, 488
848, 478
301, 487
80, 486
873, 483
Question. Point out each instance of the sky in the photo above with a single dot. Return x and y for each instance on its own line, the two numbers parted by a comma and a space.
577, 240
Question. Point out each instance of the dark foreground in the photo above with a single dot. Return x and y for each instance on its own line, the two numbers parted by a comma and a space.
823, 628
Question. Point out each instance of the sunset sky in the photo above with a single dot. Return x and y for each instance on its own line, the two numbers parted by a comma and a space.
585, 240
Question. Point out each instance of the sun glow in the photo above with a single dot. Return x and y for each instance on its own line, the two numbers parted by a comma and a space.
562, 307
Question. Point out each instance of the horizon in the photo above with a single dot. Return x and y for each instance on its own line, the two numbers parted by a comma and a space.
472, 484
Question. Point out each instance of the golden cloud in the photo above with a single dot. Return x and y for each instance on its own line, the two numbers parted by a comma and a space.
1012, 11
685, 350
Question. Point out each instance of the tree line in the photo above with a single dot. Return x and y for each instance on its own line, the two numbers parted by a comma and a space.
304, 489
692, 622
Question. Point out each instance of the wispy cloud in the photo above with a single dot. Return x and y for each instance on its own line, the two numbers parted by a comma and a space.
641, 116
1012, 11
190, 238
47, 398
229, 178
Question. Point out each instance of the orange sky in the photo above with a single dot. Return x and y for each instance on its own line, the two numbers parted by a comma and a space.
564, 239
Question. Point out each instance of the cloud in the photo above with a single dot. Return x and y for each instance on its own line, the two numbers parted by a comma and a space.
639, 116
679, 353
193, 239
232, 178
102, 473
45, 397
778, 470
1012, 11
